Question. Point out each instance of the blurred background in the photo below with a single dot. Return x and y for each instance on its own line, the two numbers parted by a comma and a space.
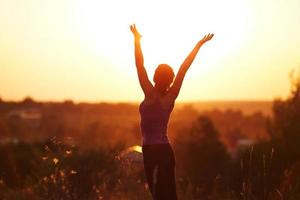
69, 96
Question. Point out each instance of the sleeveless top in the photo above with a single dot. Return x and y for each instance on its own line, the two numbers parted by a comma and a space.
154, 122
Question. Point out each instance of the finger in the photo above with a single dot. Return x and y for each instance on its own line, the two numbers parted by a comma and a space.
205, 37
208, 36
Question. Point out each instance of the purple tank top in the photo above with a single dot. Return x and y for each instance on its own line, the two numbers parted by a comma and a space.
154, 122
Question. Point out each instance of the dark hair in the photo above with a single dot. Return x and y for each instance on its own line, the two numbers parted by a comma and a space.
163, 77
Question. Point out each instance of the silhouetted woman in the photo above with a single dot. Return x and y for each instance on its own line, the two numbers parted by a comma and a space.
159, 161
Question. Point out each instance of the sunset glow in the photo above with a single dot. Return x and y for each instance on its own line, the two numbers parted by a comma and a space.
83, 50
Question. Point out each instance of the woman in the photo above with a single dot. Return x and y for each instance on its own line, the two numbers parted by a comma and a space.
155, 110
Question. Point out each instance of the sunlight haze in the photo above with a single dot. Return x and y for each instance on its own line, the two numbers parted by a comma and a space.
83, 50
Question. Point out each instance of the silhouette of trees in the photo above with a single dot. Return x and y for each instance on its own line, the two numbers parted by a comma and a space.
284, 128
285, 124
201, 157
28, 102
270, 169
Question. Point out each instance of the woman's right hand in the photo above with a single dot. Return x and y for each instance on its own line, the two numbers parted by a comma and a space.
135, 32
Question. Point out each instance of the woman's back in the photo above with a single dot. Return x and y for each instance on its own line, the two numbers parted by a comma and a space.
155, 114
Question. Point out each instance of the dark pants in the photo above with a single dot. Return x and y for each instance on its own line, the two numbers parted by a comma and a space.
159, 164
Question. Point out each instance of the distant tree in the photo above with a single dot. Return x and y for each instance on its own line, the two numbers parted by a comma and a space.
28, 102
271, 167
275, 164
201, 156
285, 123
68, 102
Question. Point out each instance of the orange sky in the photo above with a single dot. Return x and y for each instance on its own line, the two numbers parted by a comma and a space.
83, 49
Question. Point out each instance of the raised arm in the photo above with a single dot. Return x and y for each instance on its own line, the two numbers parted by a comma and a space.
139, 62
174, 90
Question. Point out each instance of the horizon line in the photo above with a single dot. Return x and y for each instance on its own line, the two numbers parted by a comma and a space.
134, 102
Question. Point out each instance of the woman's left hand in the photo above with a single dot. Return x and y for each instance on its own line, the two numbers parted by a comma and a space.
206, 38
135, 32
